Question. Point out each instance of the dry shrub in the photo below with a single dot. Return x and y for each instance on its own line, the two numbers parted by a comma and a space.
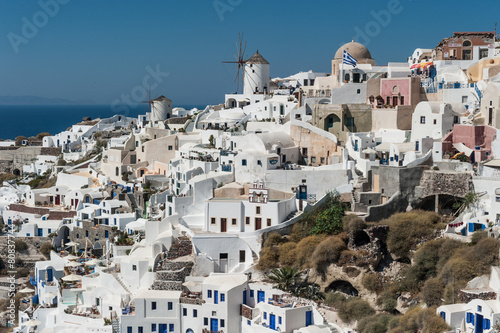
432, 291
372, 282
421, 320
268, 258
327, 252
355, 309
287, 254
305, 249
406, 230
273, 239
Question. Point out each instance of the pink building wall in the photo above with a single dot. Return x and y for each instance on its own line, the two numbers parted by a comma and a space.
404, 88
471, 137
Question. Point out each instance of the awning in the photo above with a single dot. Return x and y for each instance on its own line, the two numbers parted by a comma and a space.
462, 148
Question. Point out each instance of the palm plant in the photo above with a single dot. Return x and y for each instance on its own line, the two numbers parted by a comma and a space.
285, 277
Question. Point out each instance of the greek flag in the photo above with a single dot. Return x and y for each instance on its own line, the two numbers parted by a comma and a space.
348, 59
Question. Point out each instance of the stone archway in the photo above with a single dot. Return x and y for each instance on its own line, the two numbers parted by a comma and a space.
332, 123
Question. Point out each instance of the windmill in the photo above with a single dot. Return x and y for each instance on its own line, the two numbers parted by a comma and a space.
157, 108
240, 60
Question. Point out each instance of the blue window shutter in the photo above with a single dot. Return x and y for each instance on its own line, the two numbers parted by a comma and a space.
472, 318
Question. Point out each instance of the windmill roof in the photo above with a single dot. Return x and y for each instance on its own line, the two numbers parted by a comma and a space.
257, 58
162, 99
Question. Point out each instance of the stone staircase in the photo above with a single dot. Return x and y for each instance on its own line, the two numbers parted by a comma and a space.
120, 281
292, 215
115, 322
172, 275
182, 247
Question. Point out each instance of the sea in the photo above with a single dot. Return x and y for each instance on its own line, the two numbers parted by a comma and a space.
30, 120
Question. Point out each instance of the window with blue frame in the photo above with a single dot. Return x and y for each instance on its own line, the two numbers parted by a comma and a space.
479, 308
243, 162
153, 327
487, 324
170, 327
195, 313
265, 315
129, 329
251, 293
222, 297
49, 231
279, 320
170, 306
106, 234
209, 293
249, 323
443, 315
222, 323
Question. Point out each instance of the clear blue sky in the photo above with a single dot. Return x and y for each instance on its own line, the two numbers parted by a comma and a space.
99, 50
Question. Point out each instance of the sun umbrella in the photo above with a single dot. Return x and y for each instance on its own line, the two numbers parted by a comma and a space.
71, 244
32, 322
71, 257
71, 278
72, 264
26, 291
92, 262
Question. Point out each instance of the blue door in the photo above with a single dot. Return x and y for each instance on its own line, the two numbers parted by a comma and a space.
49, 275
214, 324
163, 328
479, 323
272, 322
244, 297
40, 232
309, 318
261, 296
216, 296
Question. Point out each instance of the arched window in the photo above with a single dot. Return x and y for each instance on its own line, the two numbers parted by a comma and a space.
189, 330
466, 43
347, 78
117, 171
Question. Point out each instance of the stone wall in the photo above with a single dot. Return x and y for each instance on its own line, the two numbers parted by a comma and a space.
179, 275
466, 297
167, 285
434, 182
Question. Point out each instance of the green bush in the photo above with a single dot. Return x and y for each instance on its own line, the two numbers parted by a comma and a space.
334, 299
329, 221
372, 282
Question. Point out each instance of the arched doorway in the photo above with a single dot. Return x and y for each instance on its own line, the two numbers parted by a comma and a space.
332, 123
16, 172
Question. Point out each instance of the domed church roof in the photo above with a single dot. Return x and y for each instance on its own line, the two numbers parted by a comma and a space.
356, 50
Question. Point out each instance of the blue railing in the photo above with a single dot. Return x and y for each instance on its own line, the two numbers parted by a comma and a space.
226, 167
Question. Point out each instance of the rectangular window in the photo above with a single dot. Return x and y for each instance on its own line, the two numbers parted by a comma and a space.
233, 221
140, 329
259, 162
422, 120
304, 151
279, 320
153, 305
170, 147
402, 100
268, 222
129, 329
195, 313
479, 308
247, 219
212, 220
265, 315
170, 306
222, 323
313, 159
209, 293
434, 121
243, 162
242, 255
184, 312
322, 160
249, 323
153, 327
170, 327
251, 293
257, 210
134, 267
205, 321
